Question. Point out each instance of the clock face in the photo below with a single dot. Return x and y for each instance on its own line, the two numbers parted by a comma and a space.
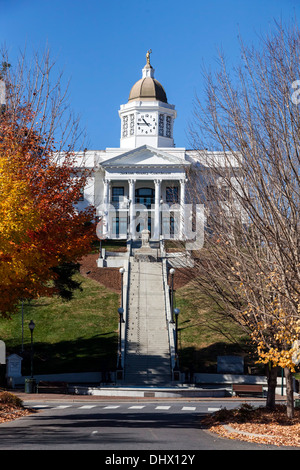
146, 123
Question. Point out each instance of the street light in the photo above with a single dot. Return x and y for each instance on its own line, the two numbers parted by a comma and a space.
172, 271
22, 348
120, 312
31, 327
122, 271
161, 219
99, 232
176, 311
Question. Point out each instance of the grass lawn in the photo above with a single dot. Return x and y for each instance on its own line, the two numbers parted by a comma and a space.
82, 335
76, 336
201, 336
110, 245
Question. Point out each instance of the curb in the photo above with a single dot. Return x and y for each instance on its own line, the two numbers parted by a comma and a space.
245, 433
72, 397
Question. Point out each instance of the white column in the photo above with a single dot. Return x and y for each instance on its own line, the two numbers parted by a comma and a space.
157, 209
182, 208
109, 193
132, 209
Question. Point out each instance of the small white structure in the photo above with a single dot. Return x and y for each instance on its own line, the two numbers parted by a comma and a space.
13, 368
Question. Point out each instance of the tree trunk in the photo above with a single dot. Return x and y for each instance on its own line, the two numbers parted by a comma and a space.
272, 382
289, 393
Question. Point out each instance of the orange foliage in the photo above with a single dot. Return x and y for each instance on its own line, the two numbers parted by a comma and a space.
40, 225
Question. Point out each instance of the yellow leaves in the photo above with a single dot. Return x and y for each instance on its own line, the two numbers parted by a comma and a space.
278, 357
276, 335
39, 226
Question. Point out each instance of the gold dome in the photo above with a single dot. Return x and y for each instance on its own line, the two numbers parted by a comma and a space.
147, 89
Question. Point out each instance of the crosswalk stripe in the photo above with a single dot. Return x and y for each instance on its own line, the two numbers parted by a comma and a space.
114, 407
40, 406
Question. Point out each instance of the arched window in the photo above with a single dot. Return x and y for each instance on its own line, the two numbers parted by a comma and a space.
144, 196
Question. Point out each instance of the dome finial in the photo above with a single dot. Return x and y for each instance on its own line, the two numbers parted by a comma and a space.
148, 56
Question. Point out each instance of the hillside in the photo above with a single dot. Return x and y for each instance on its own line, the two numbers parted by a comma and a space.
82, 335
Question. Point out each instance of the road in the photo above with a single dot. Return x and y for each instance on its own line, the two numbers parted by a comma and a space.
172, 425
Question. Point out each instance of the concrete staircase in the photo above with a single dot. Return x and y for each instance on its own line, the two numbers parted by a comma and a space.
147, 356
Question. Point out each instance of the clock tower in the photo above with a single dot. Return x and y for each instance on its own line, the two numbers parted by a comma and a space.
147, 118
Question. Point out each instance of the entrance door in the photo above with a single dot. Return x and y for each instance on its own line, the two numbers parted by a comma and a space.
119, 226
141, 225
145, 197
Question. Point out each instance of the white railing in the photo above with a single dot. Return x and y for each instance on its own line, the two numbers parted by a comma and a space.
170, 326
125, 288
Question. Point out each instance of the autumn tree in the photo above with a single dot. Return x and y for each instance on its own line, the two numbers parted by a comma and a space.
250, 116
41, 226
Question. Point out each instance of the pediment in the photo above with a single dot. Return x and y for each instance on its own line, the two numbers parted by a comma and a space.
145, 156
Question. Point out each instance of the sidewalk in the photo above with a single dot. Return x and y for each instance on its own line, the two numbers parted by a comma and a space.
44, 397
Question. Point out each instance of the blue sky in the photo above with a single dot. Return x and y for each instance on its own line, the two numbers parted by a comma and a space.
101, 47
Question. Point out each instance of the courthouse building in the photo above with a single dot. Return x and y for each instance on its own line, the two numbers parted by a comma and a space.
143, 183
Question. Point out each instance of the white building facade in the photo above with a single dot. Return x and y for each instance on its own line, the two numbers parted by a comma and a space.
142, 184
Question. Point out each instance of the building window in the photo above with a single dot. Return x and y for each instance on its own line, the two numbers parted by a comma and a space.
117, 194
169, 226
168, 127
141, 225
119, 226
211, 192
161, 124
125, 126
144, 196
215, 193
131, 124
81, 196
172, 195
225, 193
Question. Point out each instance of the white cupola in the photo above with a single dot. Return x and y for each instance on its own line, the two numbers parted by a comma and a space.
147, 118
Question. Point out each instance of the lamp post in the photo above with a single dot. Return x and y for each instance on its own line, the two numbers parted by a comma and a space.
22, 348
120, 312
172, 271
176, 312
99, 232
31, 327
122, 271
161, 219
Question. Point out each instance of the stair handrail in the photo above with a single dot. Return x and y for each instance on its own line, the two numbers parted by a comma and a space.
170, 325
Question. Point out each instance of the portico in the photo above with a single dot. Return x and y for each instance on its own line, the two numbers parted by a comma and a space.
144, 188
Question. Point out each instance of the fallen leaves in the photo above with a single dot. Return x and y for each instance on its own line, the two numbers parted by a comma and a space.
258, 425
9, 413
11, 407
